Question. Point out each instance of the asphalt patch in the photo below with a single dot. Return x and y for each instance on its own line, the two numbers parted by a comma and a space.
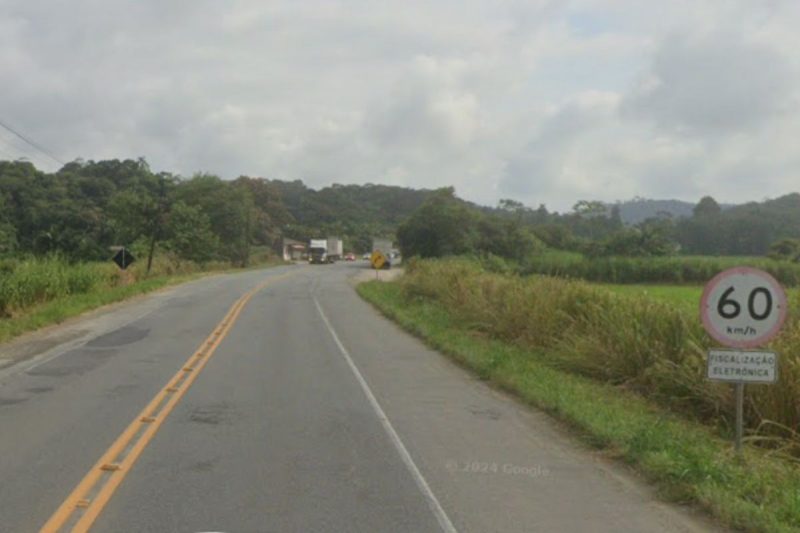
214, 414
11, 401
119, 337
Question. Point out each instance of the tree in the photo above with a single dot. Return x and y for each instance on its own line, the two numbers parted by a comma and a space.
269, 213
785, 250
615, 217
8, 233
593, 219
441, 226
557, 236
505, 238
229, 207
707, 207
512, 206
189, 233
653, 237
590, 209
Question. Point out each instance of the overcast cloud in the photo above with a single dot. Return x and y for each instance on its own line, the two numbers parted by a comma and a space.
540, 101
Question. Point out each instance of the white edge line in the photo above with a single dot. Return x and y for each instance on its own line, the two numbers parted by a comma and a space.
433, 503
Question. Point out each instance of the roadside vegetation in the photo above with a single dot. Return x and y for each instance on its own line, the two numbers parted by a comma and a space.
626, 369
37, 292
593, 244
658, 269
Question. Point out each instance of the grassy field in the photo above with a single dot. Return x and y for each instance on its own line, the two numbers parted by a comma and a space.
685, 297
38, 292
688, 461
671, 269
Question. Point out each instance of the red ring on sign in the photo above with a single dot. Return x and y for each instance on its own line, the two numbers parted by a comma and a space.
781, 304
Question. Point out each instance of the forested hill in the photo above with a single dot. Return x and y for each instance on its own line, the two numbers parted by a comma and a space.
87, 207
746, 229
358, 211
640, 209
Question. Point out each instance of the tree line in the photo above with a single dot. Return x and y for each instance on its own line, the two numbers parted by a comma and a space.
445, 225
85, 208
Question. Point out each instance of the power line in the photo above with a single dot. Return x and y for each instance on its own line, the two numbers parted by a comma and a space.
14, 152
32, 143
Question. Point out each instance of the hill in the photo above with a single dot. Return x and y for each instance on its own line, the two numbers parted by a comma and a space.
640, 209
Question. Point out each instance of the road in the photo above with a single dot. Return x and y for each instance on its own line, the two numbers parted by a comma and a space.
304, 410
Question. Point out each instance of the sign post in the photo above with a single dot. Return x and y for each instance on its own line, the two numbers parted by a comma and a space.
742, 308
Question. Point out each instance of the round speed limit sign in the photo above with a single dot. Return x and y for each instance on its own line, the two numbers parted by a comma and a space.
743, 307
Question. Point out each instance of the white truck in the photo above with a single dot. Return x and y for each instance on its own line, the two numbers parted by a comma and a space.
322, 251
385, 247
382, 245
318, 251
335, 249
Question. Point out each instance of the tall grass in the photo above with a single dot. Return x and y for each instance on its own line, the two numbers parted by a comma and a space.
673, 269
25, 283
642, 344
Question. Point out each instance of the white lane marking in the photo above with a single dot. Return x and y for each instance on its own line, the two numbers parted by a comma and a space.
433, 503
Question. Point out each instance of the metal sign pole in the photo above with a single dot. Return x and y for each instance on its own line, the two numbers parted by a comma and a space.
739, 417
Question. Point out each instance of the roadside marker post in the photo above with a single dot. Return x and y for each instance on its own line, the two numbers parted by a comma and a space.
742, 308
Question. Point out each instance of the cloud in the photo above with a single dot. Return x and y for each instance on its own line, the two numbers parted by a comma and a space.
427, 108
549, 163
545, 101
712, 85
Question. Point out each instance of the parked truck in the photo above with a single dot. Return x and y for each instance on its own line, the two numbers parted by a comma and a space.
322, 251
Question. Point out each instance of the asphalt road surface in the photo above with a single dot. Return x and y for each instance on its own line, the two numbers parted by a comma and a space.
296, 407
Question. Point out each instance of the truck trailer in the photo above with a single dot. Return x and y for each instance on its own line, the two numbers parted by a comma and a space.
335, 249
321, 251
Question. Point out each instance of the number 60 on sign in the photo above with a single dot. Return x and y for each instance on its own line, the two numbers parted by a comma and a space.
743, 307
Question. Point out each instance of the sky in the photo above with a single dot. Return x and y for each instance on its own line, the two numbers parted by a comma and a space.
542, 101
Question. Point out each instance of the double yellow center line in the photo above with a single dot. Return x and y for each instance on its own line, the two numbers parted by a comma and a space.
82, 507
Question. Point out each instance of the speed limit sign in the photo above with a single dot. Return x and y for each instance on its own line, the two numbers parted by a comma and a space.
743, 307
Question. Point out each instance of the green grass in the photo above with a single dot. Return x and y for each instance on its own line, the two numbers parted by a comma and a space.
687, 461
39, 292
650, 346
64, 307
686, 297
671, 269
